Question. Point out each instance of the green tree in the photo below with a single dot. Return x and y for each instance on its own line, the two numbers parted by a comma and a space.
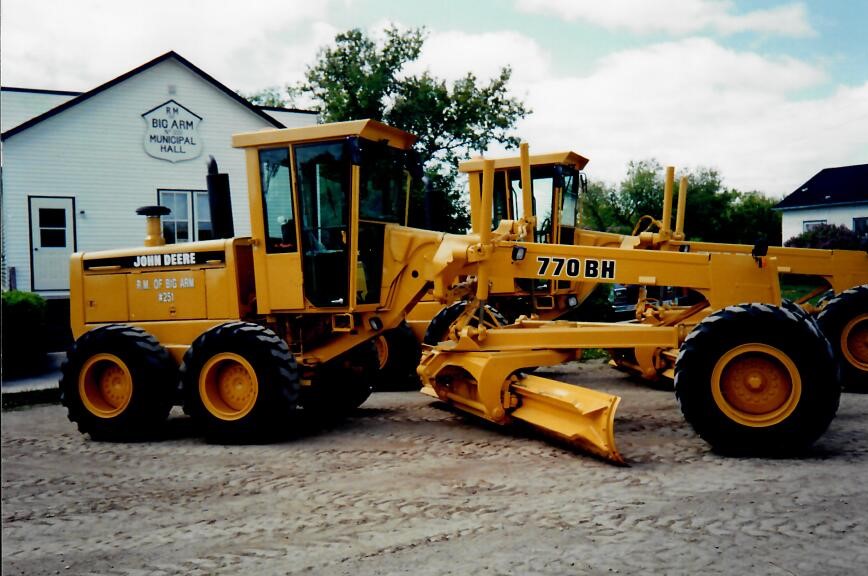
708, 202
359, 78
271, 96
713, 213
751, 217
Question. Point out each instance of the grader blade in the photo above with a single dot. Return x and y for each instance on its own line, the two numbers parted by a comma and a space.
581, 416
492, 386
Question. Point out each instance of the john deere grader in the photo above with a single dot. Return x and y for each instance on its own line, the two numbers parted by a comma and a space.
245, 332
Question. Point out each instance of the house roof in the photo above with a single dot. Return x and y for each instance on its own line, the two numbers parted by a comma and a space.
81, 97
830, 187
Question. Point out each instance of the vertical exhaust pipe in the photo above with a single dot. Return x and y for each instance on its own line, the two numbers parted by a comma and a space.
667, 200
153, 225
219, 201
682, 206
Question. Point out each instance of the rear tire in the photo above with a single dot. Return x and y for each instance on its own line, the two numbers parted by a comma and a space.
240, 383
438, 328
398, 353
342, 384
118, 383
752, 379
844, 321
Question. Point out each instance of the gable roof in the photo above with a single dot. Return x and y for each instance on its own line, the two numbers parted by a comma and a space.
167, 56
830, 187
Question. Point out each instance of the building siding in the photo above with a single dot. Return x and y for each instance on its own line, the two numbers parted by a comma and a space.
792, 221
20, 106
94, 153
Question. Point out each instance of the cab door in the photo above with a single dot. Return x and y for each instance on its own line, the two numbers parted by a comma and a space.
276, 253
324, 184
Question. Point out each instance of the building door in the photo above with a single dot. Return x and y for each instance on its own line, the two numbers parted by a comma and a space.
52, 241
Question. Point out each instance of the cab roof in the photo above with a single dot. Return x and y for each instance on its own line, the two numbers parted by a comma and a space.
569, 158
368, 129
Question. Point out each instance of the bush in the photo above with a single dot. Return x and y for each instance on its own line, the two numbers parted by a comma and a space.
24, 342
828, 237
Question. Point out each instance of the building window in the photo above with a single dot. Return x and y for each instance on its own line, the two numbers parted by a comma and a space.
860, 226
810, 224
190, 219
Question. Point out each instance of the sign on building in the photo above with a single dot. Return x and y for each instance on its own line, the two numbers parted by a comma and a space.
172, 132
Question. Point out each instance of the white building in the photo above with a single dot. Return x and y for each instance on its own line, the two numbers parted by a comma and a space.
837, 196
77, 165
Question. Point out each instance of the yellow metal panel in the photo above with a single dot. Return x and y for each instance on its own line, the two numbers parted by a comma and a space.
285, 284
354, 237
167, 295
569, 158
222, 299
105, 298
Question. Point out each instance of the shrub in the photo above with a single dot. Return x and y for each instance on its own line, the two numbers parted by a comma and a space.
828, 237
23, 332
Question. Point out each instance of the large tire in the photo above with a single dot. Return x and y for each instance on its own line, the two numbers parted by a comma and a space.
240, 383
398, 353
844, 321
342, 384
438, 328
118, 383
753, 379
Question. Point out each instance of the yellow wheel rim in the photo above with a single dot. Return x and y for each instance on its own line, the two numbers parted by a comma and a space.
382, 351
756, 385
854, 341
105, 385
228, 386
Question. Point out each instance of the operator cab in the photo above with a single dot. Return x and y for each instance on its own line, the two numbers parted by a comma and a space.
556, 181
320, 200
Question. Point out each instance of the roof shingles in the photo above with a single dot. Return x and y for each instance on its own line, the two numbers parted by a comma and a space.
830, 187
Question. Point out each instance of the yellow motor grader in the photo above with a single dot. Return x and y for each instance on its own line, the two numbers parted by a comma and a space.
843, 318
243, 330
558, 187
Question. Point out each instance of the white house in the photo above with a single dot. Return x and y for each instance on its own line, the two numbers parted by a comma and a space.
836, 196
77, 165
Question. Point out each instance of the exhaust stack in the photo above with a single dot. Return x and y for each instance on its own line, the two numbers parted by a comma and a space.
153, 225
219, 201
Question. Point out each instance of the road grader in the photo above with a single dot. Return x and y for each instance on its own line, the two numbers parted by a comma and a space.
242, 331
558, 189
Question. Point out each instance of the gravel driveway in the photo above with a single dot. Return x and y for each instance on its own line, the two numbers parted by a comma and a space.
407, 486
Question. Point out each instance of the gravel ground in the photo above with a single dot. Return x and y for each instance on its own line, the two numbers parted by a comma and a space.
406, 486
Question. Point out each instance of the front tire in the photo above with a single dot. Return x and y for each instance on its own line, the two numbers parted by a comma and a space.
438, 328
753, 379
240, 383
398, 353
118, 383
342, 384
844, 321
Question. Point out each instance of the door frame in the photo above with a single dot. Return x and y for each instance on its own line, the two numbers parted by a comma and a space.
30, 246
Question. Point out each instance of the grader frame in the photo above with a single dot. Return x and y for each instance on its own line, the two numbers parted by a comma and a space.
257, 327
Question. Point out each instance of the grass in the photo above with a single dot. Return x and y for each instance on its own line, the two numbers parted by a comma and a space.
794, 287
594, 354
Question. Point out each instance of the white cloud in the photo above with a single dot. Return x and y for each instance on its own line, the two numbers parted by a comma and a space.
452, 54
692, 103
246, 46
677, 17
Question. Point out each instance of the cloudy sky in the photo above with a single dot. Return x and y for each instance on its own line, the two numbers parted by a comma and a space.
767, 91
